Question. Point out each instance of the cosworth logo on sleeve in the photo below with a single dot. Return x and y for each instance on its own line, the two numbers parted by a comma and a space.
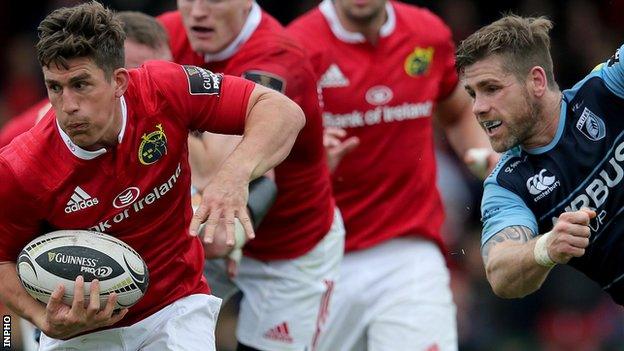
201, 81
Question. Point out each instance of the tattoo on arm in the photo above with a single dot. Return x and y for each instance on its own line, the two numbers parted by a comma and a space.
517, 233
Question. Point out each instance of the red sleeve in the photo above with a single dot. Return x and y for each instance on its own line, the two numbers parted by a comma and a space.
201, 99
18, 222
21, 123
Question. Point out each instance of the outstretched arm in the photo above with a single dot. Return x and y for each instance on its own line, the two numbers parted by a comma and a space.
272, 124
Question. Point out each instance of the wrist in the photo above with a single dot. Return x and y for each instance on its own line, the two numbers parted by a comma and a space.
540, 251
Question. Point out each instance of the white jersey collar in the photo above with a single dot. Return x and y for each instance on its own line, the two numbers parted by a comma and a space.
329, 12
252, 22
89, 155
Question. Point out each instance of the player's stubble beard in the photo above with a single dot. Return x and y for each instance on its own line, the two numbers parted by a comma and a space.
527, 122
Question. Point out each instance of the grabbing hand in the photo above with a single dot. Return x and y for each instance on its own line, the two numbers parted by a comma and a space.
337, 148
62, 321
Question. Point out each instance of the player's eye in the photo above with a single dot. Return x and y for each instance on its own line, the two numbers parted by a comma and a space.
55, 88
491, 89
80, 85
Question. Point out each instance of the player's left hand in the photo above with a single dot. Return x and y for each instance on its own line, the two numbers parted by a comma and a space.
223, 199
481, 161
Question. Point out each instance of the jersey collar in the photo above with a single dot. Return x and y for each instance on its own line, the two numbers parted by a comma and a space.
252, 22
329, 12
89, 155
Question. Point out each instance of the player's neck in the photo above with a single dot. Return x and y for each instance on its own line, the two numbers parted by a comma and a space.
111, 138
548, 124
369, 28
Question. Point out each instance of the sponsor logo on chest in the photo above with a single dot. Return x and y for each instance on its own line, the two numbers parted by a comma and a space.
140, 202
333, 78
542, 184
80, 200
380, 114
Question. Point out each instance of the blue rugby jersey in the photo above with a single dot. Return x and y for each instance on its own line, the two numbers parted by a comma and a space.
583, 166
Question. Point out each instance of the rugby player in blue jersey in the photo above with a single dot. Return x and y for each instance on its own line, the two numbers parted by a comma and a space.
556, 196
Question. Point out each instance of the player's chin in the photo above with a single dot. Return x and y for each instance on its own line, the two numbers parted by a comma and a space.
500, 145
83, 140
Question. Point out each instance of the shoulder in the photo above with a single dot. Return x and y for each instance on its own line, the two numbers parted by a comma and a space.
307, 22
36, 165
506, 166
160, 82
421, 21
171, 20
178, 40
311, 29
271, 38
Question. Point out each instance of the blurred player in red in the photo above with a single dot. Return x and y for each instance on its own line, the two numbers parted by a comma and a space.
287, 273
145, 40
385, 70
110, 134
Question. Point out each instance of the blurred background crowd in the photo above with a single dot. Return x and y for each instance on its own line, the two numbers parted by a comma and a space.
570, 313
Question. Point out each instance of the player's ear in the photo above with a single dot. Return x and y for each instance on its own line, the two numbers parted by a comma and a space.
537, 81
120, 79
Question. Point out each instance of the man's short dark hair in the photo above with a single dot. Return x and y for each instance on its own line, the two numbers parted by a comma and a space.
522, 42
86, 30
143, 29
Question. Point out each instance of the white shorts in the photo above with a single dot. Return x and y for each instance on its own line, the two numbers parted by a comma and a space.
392, 297
284, 303
187, 324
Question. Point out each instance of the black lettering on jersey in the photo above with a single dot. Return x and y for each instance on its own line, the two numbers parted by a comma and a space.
614, 59
266, 79
202, 81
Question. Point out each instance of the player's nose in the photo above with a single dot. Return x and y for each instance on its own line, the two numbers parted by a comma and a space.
200, 9
69, 103
480, 106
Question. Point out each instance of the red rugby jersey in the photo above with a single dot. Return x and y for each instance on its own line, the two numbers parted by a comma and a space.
137, 191
303, 211
385, 95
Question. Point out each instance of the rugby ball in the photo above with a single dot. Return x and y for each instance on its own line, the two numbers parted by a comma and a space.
61, 256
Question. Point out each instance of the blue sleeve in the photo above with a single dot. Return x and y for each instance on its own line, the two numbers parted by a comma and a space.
501, 208
612, 73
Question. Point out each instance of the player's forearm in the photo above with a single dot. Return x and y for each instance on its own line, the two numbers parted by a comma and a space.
13, 295
464, 134
271, 129
512, 270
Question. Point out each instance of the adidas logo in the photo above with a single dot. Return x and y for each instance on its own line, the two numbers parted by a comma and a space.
79, 201
279, 333
333, 78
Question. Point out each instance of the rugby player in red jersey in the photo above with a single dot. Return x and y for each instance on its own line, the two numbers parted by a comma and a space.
386, 69
114, 135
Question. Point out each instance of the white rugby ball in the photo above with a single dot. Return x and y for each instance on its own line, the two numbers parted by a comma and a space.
61, 256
